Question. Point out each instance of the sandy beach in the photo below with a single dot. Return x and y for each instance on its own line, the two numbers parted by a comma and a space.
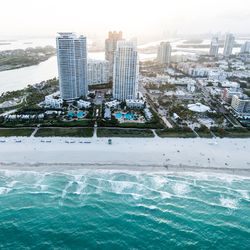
170, 153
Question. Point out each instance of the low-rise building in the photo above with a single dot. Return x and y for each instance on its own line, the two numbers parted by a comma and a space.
148, 114
218, 75
228, 94
83, 104
241, 105
138, 104
53, 101
107, 113
112, 104
191, 87
198, 72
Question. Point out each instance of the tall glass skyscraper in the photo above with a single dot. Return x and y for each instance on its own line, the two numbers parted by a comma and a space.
229, 44
214, 47
110, 48
126, 71
164, 53
72, 65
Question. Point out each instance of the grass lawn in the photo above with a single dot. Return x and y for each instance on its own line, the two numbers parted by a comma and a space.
172, 133
79, 123
16, 132
204, 134
140, 125
233, 134
65, 132
105, 132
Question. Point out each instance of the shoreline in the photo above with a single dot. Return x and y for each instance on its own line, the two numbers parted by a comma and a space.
167, 154
167, 169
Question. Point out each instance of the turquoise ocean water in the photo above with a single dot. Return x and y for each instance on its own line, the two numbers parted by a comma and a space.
119, 209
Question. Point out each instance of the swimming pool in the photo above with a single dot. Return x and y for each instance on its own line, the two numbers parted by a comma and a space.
127, 116
118, 115
71, 114
79, 114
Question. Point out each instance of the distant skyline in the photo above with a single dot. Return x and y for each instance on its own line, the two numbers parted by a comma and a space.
135, 18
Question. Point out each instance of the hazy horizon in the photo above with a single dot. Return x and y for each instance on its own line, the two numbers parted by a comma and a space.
146, 19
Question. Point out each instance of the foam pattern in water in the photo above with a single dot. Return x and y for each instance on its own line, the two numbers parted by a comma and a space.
111, 209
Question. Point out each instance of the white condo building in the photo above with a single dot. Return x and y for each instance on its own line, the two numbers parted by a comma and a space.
241, 105
229, 44
214, 47
126, 71
245, 48
98, 71
72, 65
164, 53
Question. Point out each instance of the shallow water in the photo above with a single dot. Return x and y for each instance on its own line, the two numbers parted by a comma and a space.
111, 209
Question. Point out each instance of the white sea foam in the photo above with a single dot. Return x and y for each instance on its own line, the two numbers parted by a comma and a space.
159, 181
180, 188
4, 190
80, 187
244, 194
165, 195
43, 187
121, 186
229, 202
12, 184
64, 192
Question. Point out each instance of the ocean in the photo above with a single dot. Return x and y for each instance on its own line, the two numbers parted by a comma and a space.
122, 209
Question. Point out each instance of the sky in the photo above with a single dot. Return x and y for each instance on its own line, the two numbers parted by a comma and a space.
133, 17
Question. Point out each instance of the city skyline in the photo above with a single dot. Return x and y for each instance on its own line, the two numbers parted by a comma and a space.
149, 19
125, 124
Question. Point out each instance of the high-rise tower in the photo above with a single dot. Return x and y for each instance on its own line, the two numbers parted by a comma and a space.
110, 48
72, 65
164, 53
229, 44
126, 71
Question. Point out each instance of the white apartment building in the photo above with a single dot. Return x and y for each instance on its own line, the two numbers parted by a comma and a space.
52, 102
98, 71
138, 104
214, 47
72, 65
228, 45
241, 105
228, 94
164, 53
126, 71
245, 48
83, 104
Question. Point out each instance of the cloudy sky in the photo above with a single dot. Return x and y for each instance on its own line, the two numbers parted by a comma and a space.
134, 17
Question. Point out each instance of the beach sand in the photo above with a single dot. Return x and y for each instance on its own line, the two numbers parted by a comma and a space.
172, 154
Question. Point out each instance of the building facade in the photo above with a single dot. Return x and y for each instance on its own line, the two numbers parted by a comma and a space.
110, 48
228, 45
164, 53
214, 47
228, 93
72, 65
245, 48
126, 71
241, 105
98, 72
